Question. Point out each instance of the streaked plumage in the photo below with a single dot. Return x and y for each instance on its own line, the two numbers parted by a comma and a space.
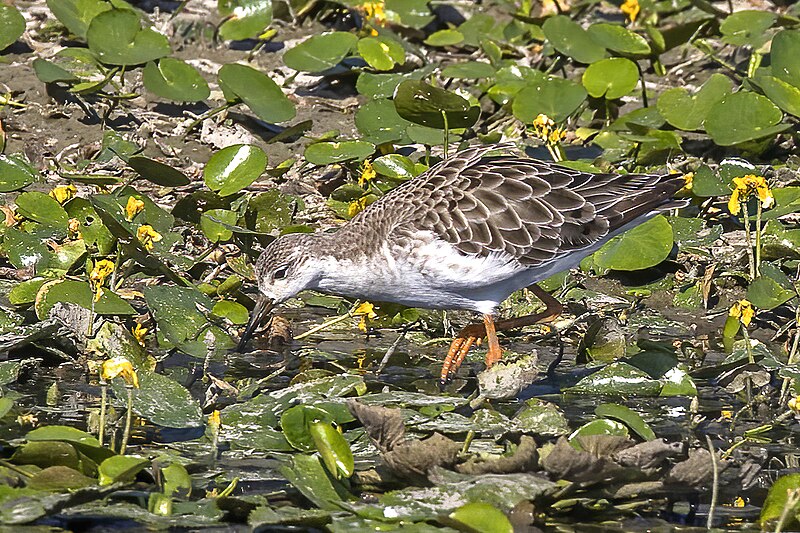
466, 233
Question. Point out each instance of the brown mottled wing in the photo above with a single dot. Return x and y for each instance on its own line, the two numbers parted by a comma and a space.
532, 210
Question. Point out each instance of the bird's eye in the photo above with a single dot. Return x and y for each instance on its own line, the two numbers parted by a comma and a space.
280, 272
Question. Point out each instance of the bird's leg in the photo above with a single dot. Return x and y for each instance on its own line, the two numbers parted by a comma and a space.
474, 332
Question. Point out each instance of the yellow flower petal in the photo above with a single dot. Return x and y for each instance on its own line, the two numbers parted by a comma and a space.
743, 310
63, 193
139, 333
631, 8
119, 367
147, 236
133, 208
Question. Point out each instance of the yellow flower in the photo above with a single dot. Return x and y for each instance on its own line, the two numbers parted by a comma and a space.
688, 181
794, 404
367, 173
743, 310
63, 193
214, 420
545, 129
746, 186
147, 236
119, 366
631, 9
133, 208
366, 311
375, 11
139, 333
356, 206
74, 227
102, 269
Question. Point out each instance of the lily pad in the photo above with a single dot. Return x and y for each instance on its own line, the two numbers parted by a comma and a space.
121, 468
627, 416
687, 112
244, 18
469, 70
555, 97
214, 224
116, 36
618, 379
175, 80
747, 27
15, 172
482, 518
743, 116
161, 400
783, 55
79, 293
782, 94
381, 53
12, 25
257, 91
446, 37
771, 289
158, 172
642, 247
426, 105
233, 168
41, 208
611, 78
325, 153
77, 14
569, 38
619, 39
320, 52
379, 122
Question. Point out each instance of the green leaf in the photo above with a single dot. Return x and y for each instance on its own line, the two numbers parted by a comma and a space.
244, 18
602, 426
296, 422
555, 97
618, 379
743, 116
641, 247
619, 39
333, 448
273, 210
234, 167
782, 94
63, 434
121, 469
12, 25
611, 78
479, 517
688, 113
175, 80
41, 208
233, 311
79, 293
320, 52
412, 13
381, 53
426, 105
58, 479
77, 14
747, 28
771, 289
778, 499
117, 38
176, 480
395, 166
161, 400
214, 222
257, 91
469, 70
569, 38
379, 122
627, 416
446, 37
15, 172
325, 153
783, 55
157, 172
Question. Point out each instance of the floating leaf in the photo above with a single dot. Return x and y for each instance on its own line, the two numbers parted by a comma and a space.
325, 153
446, 37
611, 78
214, 222
244, 18
619, 39
174, 80
79, 293
233, 168
412, 13
569, 38
642, 247
743, 116
426, 105
627, 416
379, 122
333, 448
117, 38
121, 469
15, 172
782, 94
784, 51
555, 97
162, 400
747, 28
778, 499
158, 172
77, 14
381, 53
233, 311
481, 517
320, 52
257, 91
689, 112
12, 25
469, 70
771, 289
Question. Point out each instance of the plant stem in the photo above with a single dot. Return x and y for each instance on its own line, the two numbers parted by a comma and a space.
327, 324
748, 238
128, 418
758, 239
446, 134
103, 407
208, 114
715, 485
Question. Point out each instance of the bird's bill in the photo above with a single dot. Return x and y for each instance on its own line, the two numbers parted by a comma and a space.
263, 307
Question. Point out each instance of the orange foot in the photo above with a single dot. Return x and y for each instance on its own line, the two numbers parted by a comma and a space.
468, 336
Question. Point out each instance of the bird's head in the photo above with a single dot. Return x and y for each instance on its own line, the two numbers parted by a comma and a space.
284, 269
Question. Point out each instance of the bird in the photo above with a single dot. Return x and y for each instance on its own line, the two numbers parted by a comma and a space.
465, 234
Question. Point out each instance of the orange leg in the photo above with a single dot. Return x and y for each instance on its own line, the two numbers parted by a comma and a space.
473, 333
